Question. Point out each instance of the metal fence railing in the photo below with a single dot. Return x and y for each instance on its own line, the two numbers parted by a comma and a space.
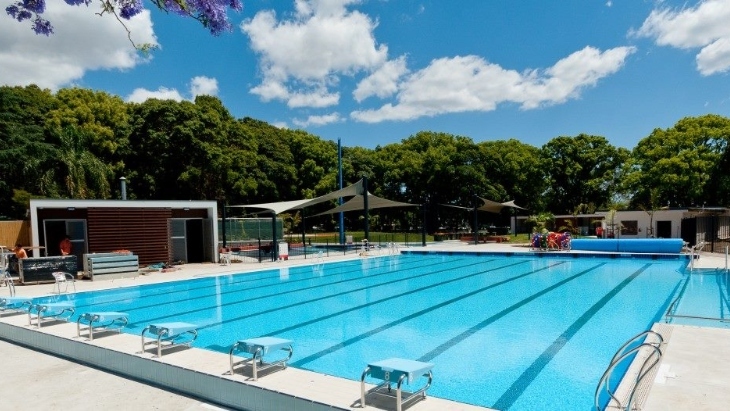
263, 250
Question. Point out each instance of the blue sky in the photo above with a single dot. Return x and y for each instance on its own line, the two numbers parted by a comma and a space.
375, 72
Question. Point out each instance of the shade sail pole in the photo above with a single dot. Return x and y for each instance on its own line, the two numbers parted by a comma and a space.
339, 167
274, 245
223, 222
423, 225
476, 220
365, 205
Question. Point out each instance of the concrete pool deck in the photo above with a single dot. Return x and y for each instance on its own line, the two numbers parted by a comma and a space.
693, 375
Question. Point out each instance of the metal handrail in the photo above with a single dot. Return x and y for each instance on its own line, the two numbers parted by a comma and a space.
670, 311
5, 272
9, 282
695, 249
619, 357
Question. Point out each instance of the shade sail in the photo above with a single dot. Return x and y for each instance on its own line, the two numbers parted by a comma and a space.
489, 206
357, 203
495, 207
512, 204
282, 206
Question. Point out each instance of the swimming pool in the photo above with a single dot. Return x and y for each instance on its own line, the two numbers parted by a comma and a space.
506, 331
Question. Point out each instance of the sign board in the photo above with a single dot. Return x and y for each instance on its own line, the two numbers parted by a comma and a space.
42, 268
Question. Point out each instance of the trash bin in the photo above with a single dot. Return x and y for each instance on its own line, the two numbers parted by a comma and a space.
283, 250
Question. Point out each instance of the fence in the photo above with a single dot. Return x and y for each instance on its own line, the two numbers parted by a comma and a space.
13, 232
261, 250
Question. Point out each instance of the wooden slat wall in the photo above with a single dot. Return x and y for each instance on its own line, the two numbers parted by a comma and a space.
143, 231
12, 232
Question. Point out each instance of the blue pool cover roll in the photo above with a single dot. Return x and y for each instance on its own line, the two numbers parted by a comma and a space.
629, 245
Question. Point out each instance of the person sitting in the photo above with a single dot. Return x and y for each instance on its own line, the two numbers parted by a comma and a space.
20, 251
65, 245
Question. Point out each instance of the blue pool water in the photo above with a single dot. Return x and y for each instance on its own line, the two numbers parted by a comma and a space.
507, 331
703, 299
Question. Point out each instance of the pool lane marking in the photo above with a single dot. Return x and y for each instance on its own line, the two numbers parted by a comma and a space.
347, 268
275, 294
401, 320
528, 376
304, 302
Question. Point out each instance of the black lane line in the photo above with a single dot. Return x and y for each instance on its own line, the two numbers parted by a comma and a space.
172, 290
528, 376
722, 295
401, 320
275, 294
304, 302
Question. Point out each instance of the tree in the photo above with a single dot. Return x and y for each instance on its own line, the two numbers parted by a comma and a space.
436, 168
683, 164
103, 118
515, 170
82, 174
582, 169
26, 157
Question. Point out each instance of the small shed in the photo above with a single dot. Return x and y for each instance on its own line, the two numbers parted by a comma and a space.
156, 231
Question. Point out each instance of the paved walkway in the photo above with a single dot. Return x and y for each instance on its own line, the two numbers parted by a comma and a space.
694, 373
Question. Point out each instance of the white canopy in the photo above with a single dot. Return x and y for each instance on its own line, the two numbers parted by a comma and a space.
489, 206
357, 203
283, 206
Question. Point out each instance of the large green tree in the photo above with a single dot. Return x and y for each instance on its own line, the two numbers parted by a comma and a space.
682, 165
514, 169
25, 155
101, 117
80, 173
580, 170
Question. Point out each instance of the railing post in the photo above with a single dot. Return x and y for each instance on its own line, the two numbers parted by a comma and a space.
259, 248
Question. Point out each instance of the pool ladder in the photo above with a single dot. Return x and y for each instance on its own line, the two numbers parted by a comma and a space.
5, 278
629, 351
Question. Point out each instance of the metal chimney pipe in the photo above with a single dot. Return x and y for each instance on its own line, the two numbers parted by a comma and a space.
123, 182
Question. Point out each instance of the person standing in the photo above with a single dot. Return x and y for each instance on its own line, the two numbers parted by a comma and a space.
65, 245
599, 231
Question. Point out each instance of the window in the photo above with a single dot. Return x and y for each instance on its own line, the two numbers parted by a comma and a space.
629, 227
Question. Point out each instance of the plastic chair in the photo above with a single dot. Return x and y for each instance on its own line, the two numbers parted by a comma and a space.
63, 278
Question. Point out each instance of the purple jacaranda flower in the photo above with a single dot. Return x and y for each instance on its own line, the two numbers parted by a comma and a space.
35, 6
42, 26
213, 14
129, 8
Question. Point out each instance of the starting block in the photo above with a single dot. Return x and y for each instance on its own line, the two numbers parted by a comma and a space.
101, 321
396, 371
257, 348
170, 335
50, 312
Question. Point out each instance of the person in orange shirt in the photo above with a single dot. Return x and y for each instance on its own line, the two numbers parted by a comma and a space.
599, 232
65, 245
20, 251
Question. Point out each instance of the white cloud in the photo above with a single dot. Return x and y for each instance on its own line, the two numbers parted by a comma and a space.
202, 85
319, 98
82, 41
704, 26
280, 124
310, 50
383, 82
319, 120
199, 85
469, 83
140, 95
